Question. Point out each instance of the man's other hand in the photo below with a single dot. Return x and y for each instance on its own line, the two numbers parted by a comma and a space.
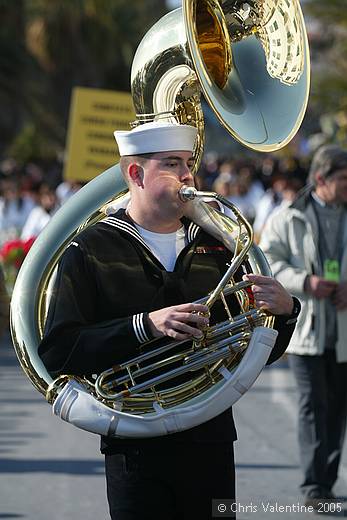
319, 287
270, 295
339, 297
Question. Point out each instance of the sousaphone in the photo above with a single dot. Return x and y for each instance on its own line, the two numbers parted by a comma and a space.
251, 62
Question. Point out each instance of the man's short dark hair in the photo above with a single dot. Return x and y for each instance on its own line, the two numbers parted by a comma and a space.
327, 160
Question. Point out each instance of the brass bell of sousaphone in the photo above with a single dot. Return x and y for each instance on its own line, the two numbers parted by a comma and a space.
250, 59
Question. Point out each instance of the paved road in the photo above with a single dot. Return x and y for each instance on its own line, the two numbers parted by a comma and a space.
49, 470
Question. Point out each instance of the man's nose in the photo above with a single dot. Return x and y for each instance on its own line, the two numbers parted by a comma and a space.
186, 173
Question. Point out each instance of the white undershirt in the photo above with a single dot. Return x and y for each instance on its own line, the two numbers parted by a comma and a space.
165, 246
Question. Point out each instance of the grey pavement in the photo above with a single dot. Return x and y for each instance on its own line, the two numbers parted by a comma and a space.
50, 470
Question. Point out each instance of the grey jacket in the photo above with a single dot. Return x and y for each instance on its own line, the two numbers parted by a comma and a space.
290, 243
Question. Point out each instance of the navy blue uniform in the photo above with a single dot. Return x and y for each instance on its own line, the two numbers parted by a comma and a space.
108, 281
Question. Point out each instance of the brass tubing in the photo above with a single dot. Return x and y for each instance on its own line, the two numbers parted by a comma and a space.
217, 356
190, 193
186, 355
145, 370
241, 322
227, 326
212, 358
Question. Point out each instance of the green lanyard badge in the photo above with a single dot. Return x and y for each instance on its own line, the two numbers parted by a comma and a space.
332, 270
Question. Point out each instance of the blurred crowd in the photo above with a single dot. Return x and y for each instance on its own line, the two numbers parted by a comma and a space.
30, 195
257, 186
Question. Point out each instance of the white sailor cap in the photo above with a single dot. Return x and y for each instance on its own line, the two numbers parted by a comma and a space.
156, 137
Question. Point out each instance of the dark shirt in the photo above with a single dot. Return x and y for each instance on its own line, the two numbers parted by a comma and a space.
105, 278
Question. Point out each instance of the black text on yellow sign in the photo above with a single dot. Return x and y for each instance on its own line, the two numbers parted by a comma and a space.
94, 115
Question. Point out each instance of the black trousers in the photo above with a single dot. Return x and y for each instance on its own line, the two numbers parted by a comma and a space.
322, 386
175, 484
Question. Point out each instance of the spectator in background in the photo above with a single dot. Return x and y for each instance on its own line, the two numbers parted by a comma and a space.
42, 213
293, 166
14, 209
291, 190
208, 171
306, 245
66, 189
271, 199
266, 169
246, 191
222, 184
285, 187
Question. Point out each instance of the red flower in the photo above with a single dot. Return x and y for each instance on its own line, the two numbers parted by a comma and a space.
27, 244
13, 252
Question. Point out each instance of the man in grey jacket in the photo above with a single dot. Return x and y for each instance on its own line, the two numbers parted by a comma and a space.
306, 245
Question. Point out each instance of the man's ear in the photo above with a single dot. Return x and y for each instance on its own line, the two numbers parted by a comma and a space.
320, 179
135, 172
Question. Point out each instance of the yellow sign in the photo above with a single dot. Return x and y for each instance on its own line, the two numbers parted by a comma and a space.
94, 116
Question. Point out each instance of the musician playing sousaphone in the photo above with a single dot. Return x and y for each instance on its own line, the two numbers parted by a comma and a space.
132, 277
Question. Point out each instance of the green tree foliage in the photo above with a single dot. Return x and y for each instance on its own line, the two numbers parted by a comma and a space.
49, 46
13, 65
329, 52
